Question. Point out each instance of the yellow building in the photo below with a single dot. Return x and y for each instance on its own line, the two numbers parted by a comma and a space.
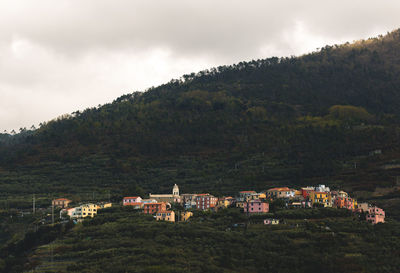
240, 204
324, 198
104, 205
86, 210
186, 215
166, 215
223, 203
256, 196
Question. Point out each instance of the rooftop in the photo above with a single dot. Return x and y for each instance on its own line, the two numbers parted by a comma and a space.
280, 189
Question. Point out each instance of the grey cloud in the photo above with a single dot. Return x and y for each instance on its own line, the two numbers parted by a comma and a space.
58, 57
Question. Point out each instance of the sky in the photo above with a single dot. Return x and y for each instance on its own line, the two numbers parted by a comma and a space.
57, 57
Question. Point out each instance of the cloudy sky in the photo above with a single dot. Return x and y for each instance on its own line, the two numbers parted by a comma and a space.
60, 56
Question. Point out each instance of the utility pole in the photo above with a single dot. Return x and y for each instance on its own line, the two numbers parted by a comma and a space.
247, 213
33, 205
52, 213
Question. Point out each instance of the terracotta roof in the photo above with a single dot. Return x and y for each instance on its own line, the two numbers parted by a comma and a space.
159, 203
280, 189
134, 197
61, 199
137, 204
165, 211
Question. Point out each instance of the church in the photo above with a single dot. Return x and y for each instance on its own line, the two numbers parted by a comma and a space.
169, 198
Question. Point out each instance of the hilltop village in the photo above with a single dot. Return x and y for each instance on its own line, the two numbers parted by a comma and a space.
250, 202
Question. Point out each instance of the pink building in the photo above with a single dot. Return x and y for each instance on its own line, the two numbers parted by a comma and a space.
375, 215
256, 206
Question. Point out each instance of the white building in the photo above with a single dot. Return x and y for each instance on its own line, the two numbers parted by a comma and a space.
322, 188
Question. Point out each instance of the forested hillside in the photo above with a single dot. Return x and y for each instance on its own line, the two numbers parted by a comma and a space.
331, 116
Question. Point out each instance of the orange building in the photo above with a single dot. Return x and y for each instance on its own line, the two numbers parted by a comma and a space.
345, 202
152, 208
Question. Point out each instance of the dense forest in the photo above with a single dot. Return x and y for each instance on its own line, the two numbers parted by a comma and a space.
330, 117
253, 124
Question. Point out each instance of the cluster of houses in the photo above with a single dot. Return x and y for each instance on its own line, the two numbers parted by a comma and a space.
252, 202
79, 212
160, 205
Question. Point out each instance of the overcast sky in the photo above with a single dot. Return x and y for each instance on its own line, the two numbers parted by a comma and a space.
57, 57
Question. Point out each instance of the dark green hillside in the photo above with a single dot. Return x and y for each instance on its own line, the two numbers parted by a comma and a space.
278, 121
118, 240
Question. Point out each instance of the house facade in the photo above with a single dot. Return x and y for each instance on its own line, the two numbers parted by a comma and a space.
246, 195
283, 192
167, 215
305, 192
206, 201
129, 201
345, 202
83, 211
153, 208
189, 200
225, 202
375, 215
61, 203
322, 198
256, 206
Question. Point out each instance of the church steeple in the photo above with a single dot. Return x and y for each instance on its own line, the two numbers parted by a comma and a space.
175, 190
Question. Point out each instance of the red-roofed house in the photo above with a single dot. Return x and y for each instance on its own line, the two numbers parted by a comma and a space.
283, 192
307, 191
206, 201
152, 208
61, 202
131, 201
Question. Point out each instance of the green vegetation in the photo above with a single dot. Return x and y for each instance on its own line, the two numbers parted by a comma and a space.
120, 240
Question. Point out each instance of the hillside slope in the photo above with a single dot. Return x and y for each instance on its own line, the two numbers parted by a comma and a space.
279, 121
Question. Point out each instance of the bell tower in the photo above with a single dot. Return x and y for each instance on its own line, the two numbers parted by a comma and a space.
175, 190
